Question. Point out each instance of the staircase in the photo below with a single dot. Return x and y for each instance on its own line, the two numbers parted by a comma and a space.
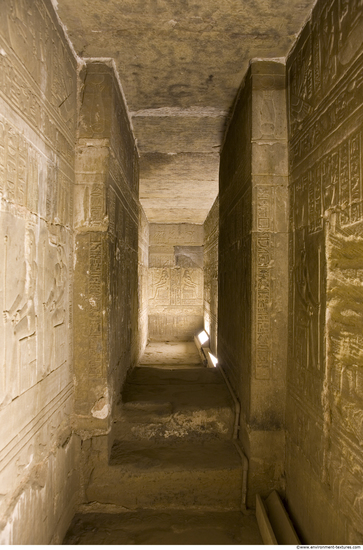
172, 443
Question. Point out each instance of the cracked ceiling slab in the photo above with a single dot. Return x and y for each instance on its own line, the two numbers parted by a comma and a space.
181, 63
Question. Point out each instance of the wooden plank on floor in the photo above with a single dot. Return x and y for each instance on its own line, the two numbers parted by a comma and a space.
280, 520
264, 524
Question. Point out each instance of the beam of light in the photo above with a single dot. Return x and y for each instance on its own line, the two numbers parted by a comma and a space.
203, 337
213, 359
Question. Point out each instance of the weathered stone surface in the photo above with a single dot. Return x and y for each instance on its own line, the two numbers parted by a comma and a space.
253, 269
175, 281
175, 527
179, 475
181, 64
324, 407
191, 179
39, 475
189, 256
171, 354
166, 402
210, 308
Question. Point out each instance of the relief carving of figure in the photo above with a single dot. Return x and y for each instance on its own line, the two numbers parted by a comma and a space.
311, 308
22, 312
189, 287
161, 284
188, 281
54, 306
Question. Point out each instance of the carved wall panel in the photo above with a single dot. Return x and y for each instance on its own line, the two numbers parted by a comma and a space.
325, 113
175, 295
37, 134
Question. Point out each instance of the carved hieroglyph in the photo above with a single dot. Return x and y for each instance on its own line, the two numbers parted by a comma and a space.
175, 287
175, 297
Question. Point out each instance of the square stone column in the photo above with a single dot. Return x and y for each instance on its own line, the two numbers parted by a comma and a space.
269, 269
106, 248
253, 268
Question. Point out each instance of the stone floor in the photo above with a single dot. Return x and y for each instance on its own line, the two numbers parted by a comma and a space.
174, 474
164, 527
167, 354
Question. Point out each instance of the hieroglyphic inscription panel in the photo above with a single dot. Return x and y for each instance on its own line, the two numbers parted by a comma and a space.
175, 287
325, 113
175, 281
263, 287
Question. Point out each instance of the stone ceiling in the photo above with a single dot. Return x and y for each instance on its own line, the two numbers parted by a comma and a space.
180, 63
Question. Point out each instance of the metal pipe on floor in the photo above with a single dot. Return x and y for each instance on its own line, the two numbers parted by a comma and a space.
244, 476
237, 406
236, 428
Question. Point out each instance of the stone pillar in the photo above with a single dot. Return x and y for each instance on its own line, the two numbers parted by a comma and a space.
269, 269
106, 255
253, 287
91, 286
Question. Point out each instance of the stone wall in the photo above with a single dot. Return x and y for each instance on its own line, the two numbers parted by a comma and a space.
235, 204
106, 254
38, 453
325, 375
175, 281
211, 234
252, 324
143, 290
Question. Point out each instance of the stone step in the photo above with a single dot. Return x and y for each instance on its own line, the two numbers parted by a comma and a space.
159, 403
173, 353
169, 375
182, 474
149, 422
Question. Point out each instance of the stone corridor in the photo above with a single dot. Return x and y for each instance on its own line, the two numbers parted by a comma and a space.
169, 167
